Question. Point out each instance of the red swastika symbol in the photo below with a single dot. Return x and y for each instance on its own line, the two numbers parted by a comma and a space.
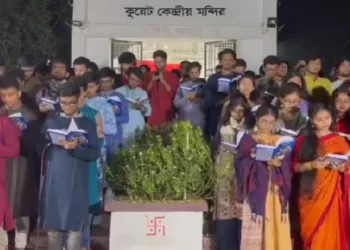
155, 226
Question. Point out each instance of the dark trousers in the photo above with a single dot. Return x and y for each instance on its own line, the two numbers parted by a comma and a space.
228, 234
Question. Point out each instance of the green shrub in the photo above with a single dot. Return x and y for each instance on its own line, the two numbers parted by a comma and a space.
169, 163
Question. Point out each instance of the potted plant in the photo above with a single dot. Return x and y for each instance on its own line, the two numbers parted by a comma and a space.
166, 173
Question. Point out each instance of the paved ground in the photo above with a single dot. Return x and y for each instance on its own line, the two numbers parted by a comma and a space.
100, 236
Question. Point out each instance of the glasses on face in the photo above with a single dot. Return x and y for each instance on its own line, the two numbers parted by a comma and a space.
68, 104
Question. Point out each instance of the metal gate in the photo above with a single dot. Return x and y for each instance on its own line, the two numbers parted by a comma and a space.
119, 47
211, 51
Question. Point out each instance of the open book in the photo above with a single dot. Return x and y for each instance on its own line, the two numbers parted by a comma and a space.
336, 159
115, 102
289, 132
233, 146
19, 120
224, 84
284, 146
190, 90
48, 102
58, 135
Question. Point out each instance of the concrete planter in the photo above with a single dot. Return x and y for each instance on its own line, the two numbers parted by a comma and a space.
156, 226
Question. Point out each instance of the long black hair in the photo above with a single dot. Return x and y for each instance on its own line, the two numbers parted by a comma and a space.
238, 100
308, 149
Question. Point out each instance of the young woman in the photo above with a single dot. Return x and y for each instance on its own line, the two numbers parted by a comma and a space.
341, 105
304, 102
323, 196
290, 115
264, 188
246, 86
228, 211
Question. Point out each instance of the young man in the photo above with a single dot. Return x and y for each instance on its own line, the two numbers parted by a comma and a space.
139, 107
105, 78
23, 173
268, 82
59, 75
126, 60
161, 89
240, 66
32, 84
312, 78
218, 87
65, 207
195, 69
342, 71
81, 66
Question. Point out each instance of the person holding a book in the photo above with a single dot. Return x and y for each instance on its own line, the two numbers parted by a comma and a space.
324, 186
47, 97
114, 138
291, 120
73, 145
228, 211
189, 102
23, 173
138, 103
264, 184
341, 105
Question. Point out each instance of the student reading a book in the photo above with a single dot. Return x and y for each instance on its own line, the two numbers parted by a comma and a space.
305, 98
264, 188
96, 169
59, 75
291, 120
228, 212
138, 103
341, 105
65, 201
105, 77
189, 102
219, 85
23, 173
323, 198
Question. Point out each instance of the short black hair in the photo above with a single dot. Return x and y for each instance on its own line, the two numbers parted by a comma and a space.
161, 54
184, 62
25, 61
218, 67
312, 58
81, 61
81, 82
145, 66
90, 77
16, 73
127, 57
227, 52
2, 61
250, 73
271, 60
93, 67
340, 62
135, 71
58, 60
71, 88
106, 72
241, 63
9, 82
196, 65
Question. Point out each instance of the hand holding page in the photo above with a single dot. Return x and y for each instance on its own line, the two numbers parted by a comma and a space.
58, 135
190, 90
54, 105
289, 132
336, 159
18, 119
233, 146
283, 147
116, 103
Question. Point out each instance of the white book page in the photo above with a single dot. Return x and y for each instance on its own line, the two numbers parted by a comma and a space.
56, 137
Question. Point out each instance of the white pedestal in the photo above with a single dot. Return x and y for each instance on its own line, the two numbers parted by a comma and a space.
156, 230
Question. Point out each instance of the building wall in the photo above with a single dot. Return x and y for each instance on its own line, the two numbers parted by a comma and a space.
244, 21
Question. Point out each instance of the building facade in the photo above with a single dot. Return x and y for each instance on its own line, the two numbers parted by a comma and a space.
102, 29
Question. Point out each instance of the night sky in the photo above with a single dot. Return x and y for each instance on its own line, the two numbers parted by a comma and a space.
314, 28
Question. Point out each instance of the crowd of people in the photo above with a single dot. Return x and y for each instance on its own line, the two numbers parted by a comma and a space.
298, 201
